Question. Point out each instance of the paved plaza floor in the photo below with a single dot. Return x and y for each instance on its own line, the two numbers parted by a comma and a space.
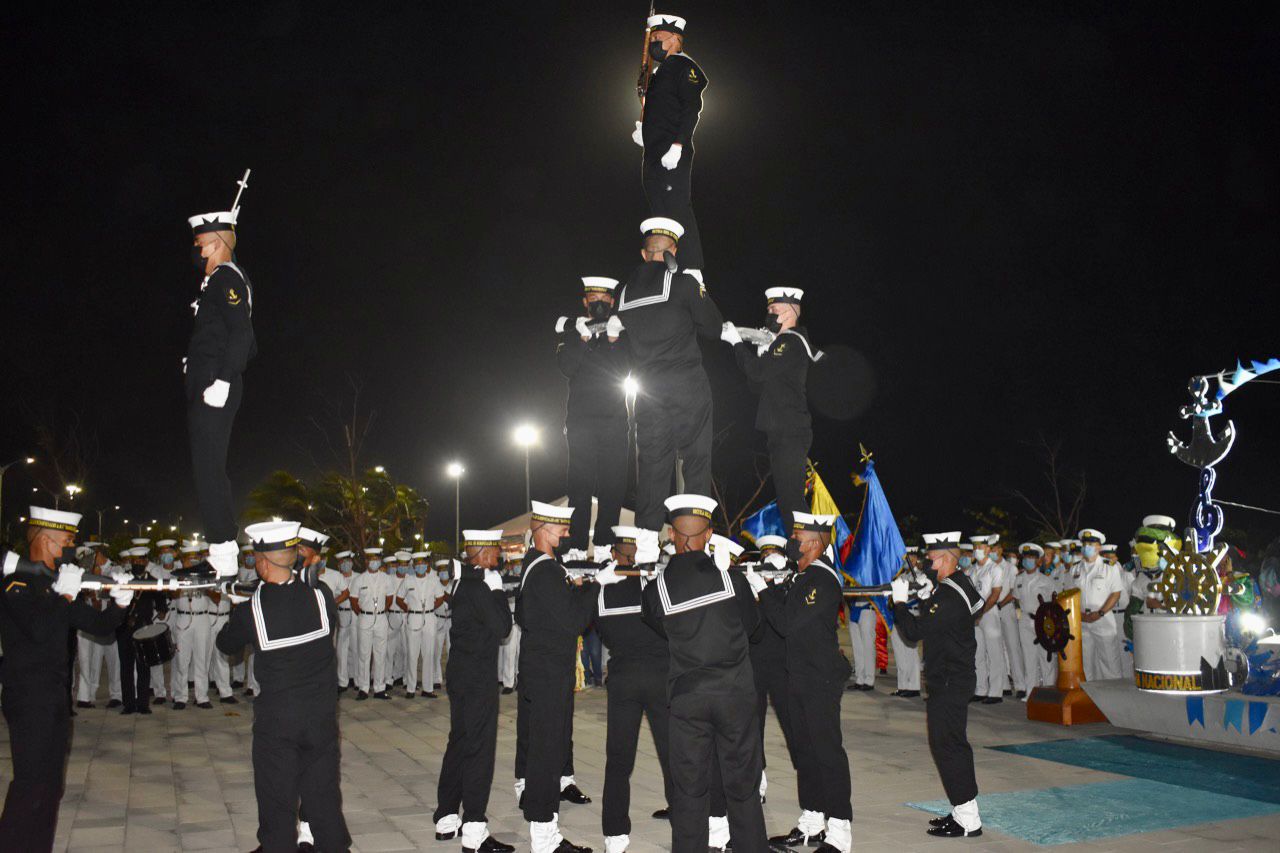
182, 780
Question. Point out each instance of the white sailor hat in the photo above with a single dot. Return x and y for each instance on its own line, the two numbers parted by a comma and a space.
1054, 545
133, 541
550, 513
390, 558
219, 220
314, 538
420, 555
816, 523
1160, 521
83, 550
1091, 535
663, 227
135, 552
966, 546
166, 543
404, 555
699, 505
1030, 548
1109, 549
984, 539
443, 561
913, 549
668, 23
342, 555
789, 295
273, 535
485, 538
942, 541
598, 284
771, 540
53, 519
190, 548
372, 552
623, 535
718, 542
91, 544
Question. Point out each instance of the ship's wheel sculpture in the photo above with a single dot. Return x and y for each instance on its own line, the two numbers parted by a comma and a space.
1053, 630
1190, 584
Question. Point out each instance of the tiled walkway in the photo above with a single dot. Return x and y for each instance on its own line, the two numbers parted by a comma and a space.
182, 780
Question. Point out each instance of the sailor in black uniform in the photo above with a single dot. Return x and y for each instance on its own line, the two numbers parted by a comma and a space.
665, 313
38, 615
222, 343
769, 659
595, 424
806, 614
291, 626
945, 625
637, 687
707, 615
778, 372
481, 621
146, 608
672, 104
552, 612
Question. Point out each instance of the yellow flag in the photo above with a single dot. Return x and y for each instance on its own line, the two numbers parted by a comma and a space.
820, 501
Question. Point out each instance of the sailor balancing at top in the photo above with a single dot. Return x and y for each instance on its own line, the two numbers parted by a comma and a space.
222, 343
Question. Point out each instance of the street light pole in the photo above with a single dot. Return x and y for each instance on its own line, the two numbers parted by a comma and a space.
526, 435
455, 470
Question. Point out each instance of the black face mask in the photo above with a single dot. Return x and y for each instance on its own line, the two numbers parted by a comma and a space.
139, 569
197, 260
656, 51
773, 324
598, 310
927, 569
68, 555
793, 550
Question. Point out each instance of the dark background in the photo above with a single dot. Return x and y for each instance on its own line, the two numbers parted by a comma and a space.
1029, 218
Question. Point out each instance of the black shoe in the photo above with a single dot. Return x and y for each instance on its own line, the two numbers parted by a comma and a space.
507, 691
866, 687
159, 700
571, 794
114, 703
952, 829
939, 821
908, 694
438, 685
205, 705
490, 845
342, 689
991, 700
236, 685
1007, 693
127, 710
361, 696
229, 700
409, 695
381, 694
306, 847
179, 706
852, 688
428, 694
824, 847
85, 705
144, 710
567, 846
663, 813
249, 692
795, 838
446, 836
1020, 695
976, 698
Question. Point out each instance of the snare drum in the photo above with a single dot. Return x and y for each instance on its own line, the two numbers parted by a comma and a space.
153, 644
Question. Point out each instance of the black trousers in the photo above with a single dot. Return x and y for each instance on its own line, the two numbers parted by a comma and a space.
209, 434
771, 687
296, 764
673, 419
597, 466
788, 451
947, 720
135, 676
39, 735
670, 194
522, 736
632, 694
822, 765
715, 728
467, 771
548, 718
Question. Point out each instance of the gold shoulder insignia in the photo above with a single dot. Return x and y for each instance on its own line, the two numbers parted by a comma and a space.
780, 349
693, 75
812, 597
702, 290
233, 298
14, 583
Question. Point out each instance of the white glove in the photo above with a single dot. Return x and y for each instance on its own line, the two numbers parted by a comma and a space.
757, 583
614, 327
927, 590
68, 582
10, 563
672, 158
604, 553
638, 136
778, 561
237, 599
560, 325
608, 575
121, 597
216, 394
647, 546
720, 552
900, 588
729, 333
493, 580
581, 326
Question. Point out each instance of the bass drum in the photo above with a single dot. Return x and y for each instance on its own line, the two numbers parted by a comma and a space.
153, 644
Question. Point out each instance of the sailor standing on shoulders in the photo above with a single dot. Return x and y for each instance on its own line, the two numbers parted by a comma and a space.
945, 626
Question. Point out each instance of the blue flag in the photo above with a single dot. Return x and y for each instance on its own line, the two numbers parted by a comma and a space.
765, 521
874, 552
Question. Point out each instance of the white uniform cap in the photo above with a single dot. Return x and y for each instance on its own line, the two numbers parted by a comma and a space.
53, 519
771, 540
484, 538
135, 541
550, 513
312, 537
1031, 546
190, 549
246, 548
1159, 521
166, 543
404, 555
663, 226
673, 23
372, 552
342, 555
985, 539
808, 521
966, 546
698, 505
273, 535
791, 295
626, 535
1090, 533
420, 555
1054, 545
942, 541
718, 542
219, 220
598, 284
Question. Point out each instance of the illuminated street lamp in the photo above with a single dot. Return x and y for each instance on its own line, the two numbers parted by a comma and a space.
26, 460
526, 436
455, 470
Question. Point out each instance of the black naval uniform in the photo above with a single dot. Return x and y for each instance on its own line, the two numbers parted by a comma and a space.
296, 757
222, 343
707, 615
769, 668
807, 614
595, 428
552, 614
481, 621
135, 675
35, 624
665, 313
779, 376
672, 104
945, 625
637, 686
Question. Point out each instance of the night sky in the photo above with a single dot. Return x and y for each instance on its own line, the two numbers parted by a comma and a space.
1028, 218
